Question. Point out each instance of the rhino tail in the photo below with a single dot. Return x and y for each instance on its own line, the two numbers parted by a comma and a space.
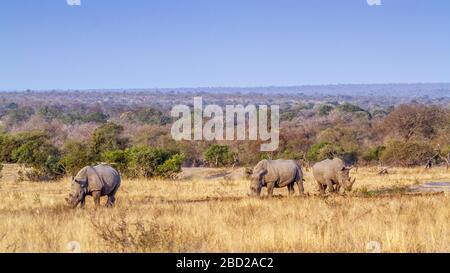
299, 175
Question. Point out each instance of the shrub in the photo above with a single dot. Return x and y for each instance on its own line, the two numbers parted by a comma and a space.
379, 113
350, 158
48, 113
96, 116
19, 115
171, 167
373, 154
75, 156
116, 158
144, 161
151, 115
122, 235
219, 155
323, 150
107, 137
289, 154
349, 108
36, 151
8, 144
325, 110
415, 121
407, 154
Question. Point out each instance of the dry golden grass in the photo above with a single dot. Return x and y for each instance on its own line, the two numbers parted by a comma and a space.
202, 215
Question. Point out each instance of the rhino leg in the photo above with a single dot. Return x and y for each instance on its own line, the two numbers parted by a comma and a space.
270, 187
96, 196
112, 197
322, 188
300, 187
83, 202
291, 189
338, 188
111, 200
330, 186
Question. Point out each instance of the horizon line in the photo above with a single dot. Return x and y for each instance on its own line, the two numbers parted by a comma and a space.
216, 87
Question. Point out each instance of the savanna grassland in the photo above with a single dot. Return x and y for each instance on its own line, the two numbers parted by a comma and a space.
197, 214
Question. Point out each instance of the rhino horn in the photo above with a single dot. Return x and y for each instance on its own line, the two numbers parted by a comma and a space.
347, 168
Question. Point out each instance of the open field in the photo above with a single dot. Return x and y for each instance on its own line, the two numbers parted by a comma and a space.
203, 212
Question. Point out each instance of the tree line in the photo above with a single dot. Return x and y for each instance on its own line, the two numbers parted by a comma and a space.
57, 141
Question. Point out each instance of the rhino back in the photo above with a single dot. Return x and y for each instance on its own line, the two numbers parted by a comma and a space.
283, 171
109, 177
327, 169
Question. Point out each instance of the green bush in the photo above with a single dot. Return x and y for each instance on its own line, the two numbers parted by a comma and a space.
325, 110
48, 113
107, 137
407, 154
172, 166
19, 115
219, 155
323, 150
8, 144
144, 161
289, 154
117, 158
75, 156
380, 113
349, 108
96, 116
373, 154
151, 115
64, 115
34, 150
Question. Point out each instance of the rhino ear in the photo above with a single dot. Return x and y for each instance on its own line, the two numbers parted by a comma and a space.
261, 173
82, 183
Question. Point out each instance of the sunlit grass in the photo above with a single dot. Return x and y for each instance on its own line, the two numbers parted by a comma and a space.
201, 215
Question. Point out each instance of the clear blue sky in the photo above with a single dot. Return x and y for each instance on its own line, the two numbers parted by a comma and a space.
46, 44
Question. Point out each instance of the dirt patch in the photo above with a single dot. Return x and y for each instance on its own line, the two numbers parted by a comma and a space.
10, 172
430, 187
212, 174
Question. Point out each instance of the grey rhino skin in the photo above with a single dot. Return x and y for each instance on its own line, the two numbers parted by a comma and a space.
328, 173
96, 181
276, 174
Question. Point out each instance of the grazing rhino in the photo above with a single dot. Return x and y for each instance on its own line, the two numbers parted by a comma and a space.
96, 181
276, 174
328, 173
